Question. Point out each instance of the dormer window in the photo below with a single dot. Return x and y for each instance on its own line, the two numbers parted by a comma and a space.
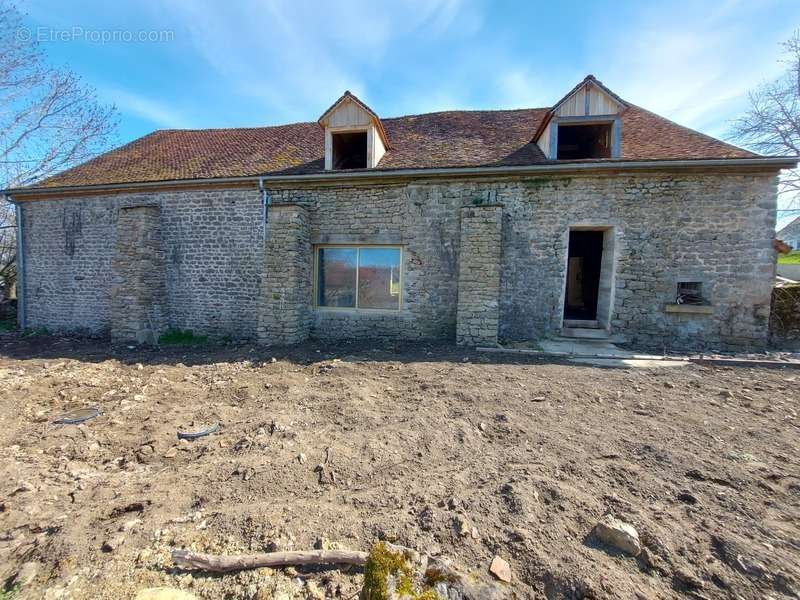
349, 150
584, 124
354, 135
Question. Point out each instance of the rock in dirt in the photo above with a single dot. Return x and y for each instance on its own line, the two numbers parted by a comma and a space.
500, 569
111, 544
464, 527
618, 534
164, 593
649, 559
27, 573
688, 580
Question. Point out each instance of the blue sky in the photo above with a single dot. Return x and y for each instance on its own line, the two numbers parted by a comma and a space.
249, 62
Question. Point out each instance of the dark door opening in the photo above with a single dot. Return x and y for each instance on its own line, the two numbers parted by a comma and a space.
583, 275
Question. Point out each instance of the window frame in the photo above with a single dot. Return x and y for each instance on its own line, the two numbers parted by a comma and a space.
357, 247
616, 133
332, 131
349, 131
688, 286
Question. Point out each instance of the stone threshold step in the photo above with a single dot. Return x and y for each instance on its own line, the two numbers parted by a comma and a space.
584, 333
581, 324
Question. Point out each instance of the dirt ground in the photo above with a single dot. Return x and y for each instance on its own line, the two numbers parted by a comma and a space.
454, 453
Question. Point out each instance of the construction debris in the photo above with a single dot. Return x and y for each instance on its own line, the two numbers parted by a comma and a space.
198, 433
77, 416
224, 564
500, 569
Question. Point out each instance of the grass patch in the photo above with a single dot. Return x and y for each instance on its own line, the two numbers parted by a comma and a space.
793, 258
181, 337
10, 593
7, 325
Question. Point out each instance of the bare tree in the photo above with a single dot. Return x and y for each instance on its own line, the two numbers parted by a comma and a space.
772, 123
49, 121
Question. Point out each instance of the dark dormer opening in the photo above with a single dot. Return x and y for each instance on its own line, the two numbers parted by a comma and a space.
584, 141
349, 150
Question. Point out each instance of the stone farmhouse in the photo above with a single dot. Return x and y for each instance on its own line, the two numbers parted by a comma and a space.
590, 218
790, 234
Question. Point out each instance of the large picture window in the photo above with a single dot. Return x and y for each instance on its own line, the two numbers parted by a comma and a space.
358, 277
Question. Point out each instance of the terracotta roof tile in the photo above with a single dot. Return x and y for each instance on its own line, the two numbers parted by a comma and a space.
647, 136
442, 139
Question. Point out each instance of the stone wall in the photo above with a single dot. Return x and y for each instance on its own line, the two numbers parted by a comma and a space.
423, 220
713, 228
213, 245
139, 291
479, 275
668, 227
285, 308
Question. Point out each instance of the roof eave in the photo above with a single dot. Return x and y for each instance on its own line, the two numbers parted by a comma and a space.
774, 163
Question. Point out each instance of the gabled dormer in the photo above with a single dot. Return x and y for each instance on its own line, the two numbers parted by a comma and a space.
584, 124
354, 135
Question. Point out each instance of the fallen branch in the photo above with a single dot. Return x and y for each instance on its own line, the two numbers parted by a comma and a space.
224, 564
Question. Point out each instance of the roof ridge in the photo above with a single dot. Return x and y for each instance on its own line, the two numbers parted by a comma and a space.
242, 128
262, 127
466, 110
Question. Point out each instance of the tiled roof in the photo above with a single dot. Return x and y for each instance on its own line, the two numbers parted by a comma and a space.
442, 139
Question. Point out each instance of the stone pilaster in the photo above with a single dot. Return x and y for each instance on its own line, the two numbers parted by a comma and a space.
138, 295
479, 275
284, 312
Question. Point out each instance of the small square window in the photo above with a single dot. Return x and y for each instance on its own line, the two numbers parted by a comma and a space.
689, 292
365, 277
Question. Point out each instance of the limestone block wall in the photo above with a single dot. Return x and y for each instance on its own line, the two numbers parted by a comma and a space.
423, 220
139, 291
213, 252
668, 226
284, 310
479, 275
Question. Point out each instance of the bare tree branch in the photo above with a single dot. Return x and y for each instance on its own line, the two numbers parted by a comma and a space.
49, 121
772, 123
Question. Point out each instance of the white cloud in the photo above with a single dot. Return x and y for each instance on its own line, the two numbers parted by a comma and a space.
296, 58
520, 87
694, 68
157, 112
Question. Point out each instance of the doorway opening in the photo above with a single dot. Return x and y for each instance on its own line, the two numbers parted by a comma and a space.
584, 267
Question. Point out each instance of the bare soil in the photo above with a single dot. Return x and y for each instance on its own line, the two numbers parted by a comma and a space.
454, 453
